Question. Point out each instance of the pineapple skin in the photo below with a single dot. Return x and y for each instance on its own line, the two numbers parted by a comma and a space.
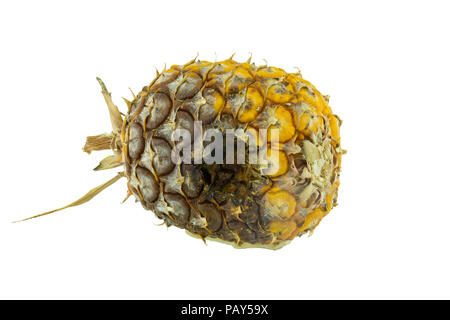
235, 204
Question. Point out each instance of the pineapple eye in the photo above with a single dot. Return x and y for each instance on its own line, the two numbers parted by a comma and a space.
189, 86
283, 128
159, 105
135, 141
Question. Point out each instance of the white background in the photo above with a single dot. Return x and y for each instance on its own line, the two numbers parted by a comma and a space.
385, 65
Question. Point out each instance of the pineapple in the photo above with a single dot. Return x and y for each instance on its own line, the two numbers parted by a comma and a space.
285, 120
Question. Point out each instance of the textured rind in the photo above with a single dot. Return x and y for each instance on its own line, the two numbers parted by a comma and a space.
226, 202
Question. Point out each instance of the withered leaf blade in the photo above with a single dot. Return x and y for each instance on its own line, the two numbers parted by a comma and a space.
88, 196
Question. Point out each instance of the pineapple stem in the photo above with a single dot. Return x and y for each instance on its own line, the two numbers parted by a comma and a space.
88, 196
99, 142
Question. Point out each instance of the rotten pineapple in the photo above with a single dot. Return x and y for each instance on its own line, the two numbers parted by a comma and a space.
278, 119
